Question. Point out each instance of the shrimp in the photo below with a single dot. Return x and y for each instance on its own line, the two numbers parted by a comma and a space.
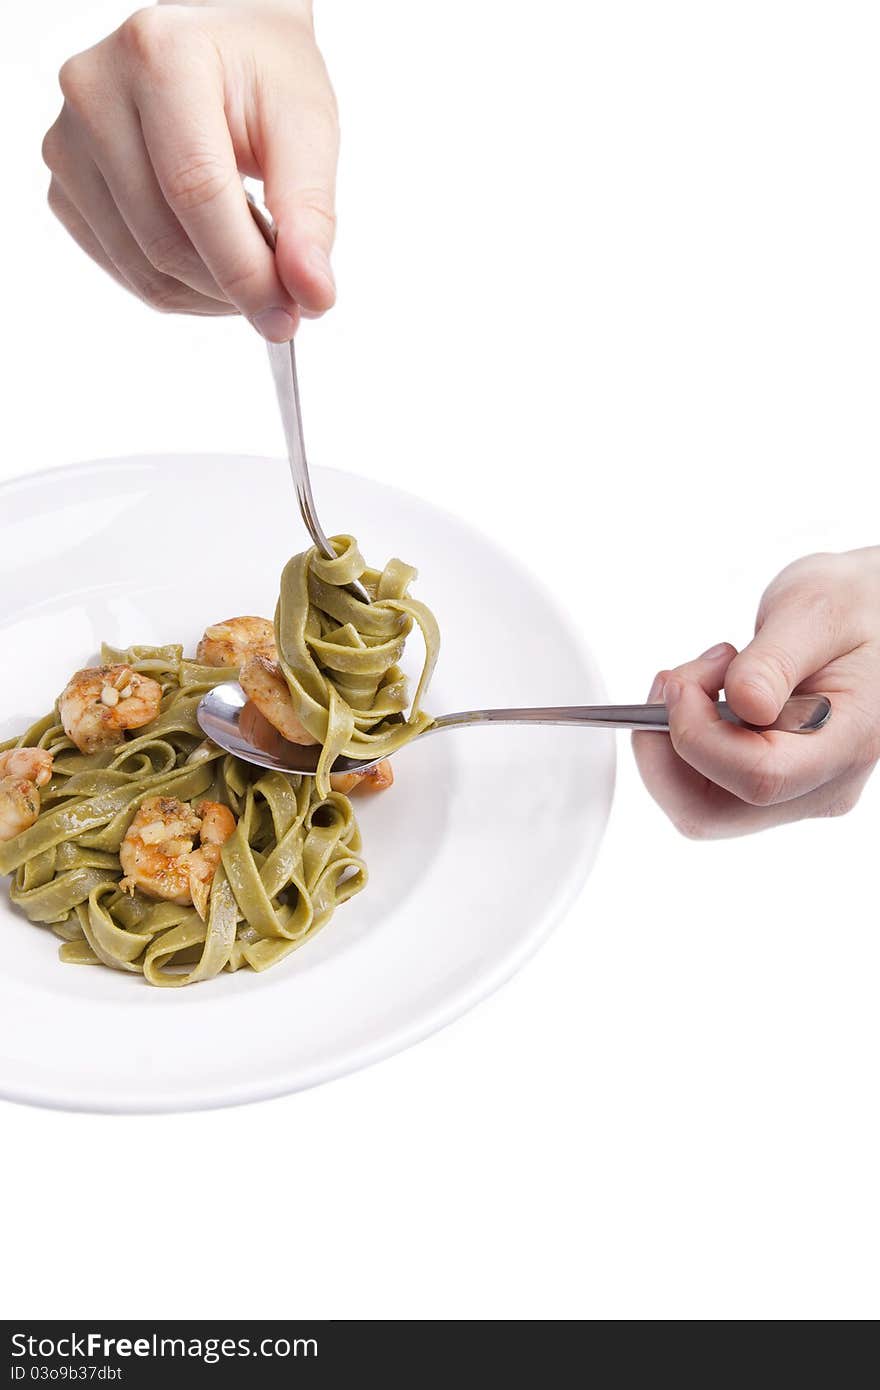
158, 853
19, 806
22, 771
264, 685
218, 823
262, 682
33, 763
373, 779
230, 643
100, 703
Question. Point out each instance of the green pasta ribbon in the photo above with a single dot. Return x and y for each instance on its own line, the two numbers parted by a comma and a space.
340, 656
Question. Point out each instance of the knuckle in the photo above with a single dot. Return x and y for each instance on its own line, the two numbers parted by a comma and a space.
160, 45
755, 684
821, 608
841, 805
171, 253
775, 661
75, 80
811, 569
236, 278
163, 294
318, 203
764, 786
810, 587
692, 828
197, 181
144, 35
51, 148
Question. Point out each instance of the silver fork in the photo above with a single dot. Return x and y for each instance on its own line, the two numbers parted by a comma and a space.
282, 359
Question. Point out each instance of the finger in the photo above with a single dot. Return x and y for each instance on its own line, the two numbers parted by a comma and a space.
131, 179
699, 810
82, 233
760, 768
301, 150
799, 634
709, 669
77, 176
91, 197
674, 784
188, 141
726, 816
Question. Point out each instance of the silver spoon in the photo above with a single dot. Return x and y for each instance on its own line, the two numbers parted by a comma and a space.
220, 715
282, 359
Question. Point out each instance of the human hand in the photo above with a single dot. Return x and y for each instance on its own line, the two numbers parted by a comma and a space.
817, 631
161, 118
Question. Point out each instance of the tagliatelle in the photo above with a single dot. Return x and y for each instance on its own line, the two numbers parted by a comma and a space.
293, 858
340, 656
294, 854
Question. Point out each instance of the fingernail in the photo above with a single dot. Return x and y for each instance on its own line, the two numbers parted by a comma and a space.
275, 324
672, 693
655, 694
719, 649
319, 263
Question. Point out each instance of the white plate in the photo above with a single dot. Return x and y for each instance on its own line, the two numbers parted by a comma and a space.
484, 840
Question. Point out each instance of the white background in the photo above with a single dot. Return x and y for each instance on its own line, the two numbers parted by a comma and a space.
609, 286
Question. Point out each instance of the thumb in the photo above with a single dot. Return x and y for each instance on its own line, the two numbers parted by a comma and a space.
795, 639
301, 151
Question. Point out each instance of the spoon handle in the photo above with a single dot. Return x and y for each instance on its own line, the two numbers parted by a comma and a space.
802, 714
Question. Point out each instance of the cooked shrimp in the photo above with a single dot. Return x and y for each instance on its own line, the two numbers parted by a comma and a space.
262, 682
230, 643
101, 702
19, 806
22, 771
158, 853
373, 779
33, 763
218, 822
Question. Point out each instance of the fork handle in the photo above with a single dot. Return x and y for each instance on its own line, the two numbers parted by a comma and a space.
282, 359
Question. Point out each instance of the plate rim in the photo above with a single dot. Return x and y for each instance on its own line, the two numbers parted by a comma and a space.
459, 1002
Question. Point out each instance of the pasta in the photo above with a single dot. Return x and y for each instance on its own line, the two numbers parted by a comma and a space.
107, 859
340, 656
293, 858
